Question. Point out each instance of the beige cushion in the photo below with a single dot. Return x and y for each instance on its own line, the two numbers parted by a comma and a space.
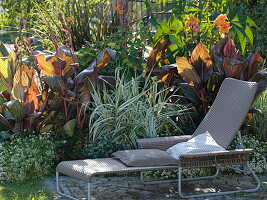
145, 157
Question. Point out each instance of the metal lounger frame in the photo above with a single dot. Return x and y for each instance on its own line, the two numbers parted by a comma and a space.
247, 170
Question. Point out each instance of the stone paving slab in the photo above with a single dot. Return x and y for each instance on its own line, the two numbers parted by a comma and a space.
131, 188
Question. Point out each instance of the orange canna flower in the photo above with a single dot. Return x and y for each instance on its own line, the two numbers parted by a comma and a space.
222, 24
192, 24
118, 7
224, 28
69, 19
258, 58
221, 19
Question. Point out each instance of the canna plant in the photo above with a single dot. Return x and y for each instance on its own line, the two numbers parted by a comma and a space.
21, 103
32, 96
199, 77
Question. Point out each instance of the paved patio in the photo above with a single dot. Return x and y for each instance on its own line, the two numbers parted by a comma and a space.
130, 188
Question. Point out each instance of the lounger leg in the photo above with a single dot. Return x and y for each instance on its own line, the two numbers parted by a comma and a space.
89, 191
218, 193
68, 196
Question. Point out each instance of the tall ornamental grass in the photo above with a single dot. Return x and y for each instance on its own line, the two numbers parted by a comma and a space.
133, 110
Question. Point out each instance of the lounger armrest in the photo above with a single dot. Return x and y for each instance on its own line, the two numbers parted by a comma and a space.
161, 143
210, 159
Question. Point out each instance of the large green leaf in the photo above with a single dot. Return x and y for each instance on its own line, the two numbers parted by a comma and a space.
190, 92
69, 127
249, 35
16, 109
56, 83
3, 50
241, 36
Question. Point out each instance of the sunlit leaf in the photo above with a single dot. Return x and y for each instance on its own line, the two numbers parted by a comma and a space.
201, 61
4, 67
249, 34
16, 109
47, 65
3, 84
31, 102
187, 72
33, 84
65, 54
104, 58
157, 53
20, 83
69, 127
241, 36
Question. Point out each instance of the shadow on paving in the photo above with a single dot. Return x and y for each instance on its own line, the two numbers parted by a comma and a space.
131, 188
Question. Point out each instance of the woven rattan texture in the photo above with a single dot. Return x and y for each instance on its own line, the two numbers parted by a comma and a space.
228, 111
86, 169
211, 159
161, 143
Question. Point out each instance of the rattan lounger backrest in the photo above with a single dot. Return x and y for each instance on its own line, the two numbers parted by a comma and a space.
228, 111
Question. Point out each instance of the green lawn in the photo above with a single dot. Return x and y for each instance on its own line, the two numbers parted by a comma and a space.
32, 190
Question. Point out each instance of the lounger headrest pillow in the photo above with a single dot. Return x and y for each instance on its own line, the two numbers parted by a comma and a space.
145, 157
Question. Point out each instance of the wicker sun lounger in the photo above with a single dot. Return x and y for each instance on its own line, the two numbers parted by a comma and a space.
222, 121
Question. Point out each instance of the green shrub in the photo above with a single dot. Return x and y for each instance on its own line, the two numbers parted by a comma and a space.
258, 160
129, 48
103, 149
257, 9
259, 121
26, 158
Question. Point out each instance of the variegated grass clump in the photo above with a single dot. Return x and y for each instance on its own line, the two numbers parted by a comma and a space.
26, 158
132, 111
